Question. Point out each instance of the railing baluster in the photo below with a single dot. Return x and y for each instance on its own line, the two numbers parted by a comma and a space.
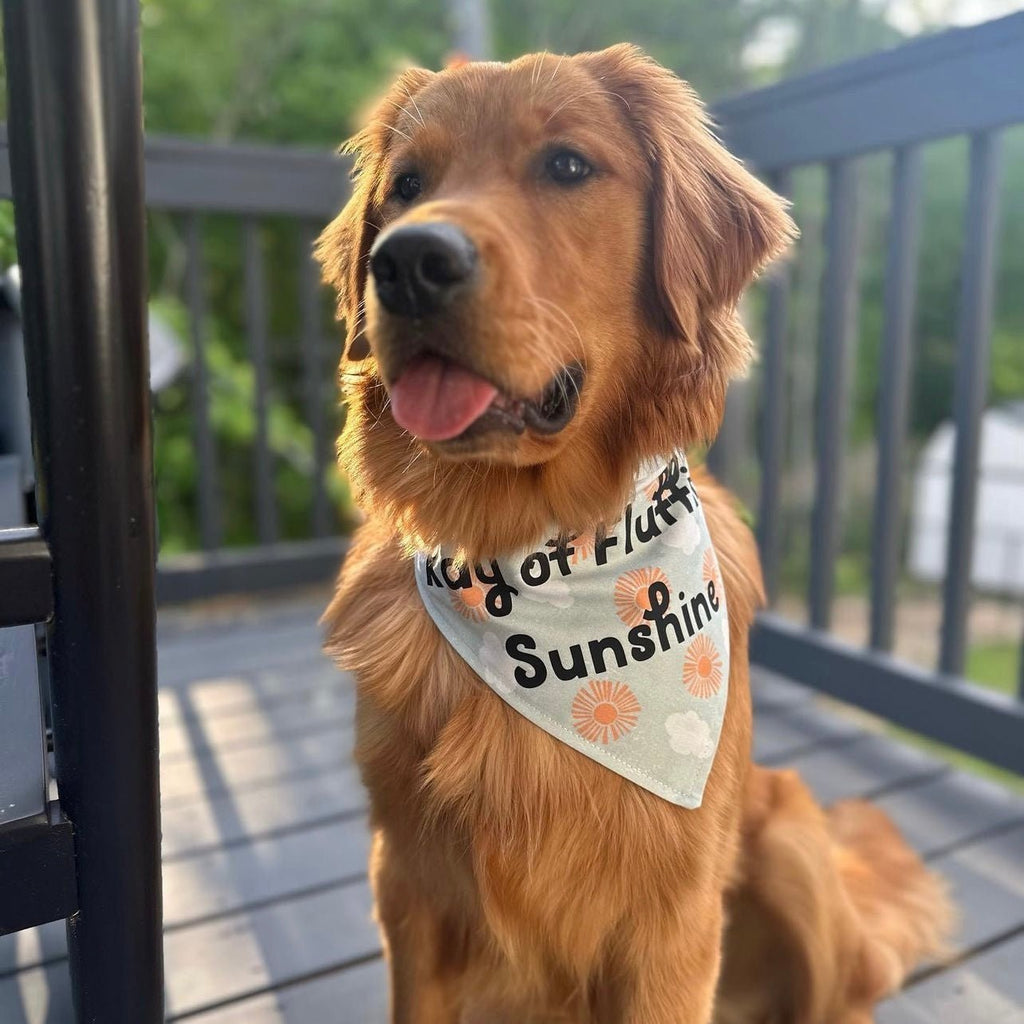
838, 323
725, 454
1020, 670
773, 411
969, 392
209, 508
256, 327
313, 365
894, 388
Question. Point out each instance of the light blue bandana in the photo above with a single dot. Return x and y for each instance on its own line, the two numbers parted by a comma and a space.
616, 644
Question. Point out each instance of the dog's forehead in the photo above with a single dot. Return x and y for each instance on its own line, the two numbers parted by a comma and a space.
534, 97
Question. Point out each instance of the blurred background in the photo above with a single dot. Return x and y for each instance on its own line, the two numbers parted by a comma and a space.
299, 72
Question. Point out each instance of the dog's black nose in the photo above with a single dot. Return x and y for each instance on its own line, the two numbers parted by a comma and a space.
419, 268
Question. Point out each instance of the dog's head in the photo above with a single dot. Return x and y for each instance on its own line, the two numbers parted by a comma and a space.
539, 266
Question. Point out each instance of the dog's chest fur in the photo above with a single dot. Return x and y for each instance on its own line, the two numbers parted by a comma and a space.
510, 833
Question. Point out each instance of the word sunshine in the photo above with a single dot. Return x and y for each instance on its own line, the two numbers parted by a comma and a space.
663, 629
672, 494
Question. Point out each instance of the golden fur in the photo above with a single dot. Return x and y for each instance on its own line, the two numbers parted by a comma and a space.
517, 880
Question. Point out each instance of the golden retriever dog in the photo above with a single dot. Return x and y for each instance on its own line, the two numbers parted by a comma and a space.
539, 269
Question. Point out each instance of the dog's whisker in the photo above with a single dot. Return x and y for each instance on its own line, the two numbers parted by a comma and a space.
392, 128
417, 117
559, 311
557, 66
412, 100
535, 74
572, 99
403, 110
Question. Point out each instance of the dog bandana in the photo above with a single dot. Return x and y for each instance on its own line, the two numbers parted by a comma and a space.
616, 644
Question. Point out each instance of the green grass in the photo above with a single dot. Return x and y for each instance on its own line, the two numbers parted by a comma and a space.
994, 665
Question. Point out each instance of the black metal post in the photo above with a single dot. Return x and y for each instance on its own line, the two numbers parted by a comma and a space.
838, 337
894, 389
970, 392
773, 411
76, 162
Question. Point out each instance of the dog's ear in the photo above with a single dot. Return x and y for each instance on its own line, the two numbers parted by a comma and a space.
712, 224
343, 248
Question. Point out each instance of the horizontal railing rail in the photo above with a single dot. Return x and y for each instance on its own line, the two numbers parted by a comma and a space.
959, 82
182, 174
26, 591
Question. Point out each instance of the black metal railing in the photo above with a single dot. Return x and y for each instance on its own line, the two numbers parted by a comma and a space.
76, 177
961, 83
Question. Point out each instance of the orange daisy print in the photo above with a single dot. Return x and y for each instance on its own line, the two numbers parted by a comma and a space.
582, 547
603, 711
702, 668
469, 601
710, 569
631, 594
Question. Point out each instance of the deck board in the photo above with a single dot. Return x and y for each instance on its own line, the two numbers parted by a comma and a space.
267, 906
780, 736
952, 810
192, 730
988, 989
869, 767
276, 807
319, 748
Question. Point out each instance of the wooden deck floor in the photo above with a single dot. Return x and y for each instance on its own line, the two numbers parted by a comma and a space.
267, 906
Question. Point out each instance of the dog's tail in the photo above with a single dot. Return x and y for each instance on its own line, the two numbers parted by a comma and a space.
831, 912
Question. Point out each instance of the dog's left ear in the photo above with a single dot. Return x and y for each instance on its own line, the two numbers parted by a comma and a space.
343, 249
712, 224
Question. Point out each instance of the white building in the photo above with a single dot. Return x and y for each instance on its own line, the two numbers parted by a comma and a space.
998, 565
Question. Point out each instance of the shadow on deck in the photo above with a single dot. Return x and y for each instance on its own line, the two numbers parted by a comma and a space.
265, 842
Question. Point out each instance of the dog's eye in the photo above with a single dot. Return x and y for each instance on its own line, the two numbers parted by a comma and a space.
567, 167
407, 186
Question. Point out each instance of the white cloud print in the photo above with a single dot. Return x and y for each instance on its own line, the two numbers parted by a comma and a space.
684, 534
689, 735
494, 662
554, 592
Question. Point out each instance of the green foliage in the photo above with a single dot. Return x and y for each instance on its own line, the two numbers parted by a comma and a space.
292, 71
233, 424
8, 253
703, 41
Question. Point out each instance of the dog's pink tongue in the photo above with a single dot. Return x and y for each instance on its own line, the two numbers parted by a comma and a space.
436, 400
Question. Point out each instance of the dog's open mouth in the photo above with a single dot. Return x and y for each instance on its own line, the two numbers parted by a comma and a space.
436, 399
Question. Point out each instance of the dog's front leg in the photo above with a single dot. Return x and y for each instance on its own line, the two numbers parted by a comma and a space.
425, 981
675, 974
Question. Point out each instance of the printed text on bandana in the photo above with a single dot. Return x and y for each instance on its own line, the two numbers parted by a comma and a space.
667, 619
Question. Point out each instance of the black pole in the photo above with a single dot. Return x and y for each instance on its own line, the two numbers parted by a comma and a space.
75, 138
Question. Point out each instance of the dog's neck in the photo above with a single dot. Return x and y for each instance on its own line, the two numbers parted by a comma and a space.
485, 510
555, 532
